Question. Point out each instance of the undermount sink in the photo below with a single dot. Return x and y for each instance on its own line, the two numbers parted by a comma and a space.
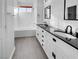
65, 35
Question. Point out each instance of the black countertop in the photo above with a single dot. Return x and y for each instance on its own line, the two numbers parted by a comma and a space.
73, 43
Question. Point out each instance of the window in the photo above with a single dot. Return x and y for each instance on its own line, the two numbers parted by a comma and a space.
15, 11
28, 9
25, 10
22, 9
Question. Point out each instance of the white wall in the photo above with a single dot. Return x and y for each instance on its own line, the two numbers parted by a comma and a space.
57, 19
15, 16
40, 16
26, 20
1, 28
7, 34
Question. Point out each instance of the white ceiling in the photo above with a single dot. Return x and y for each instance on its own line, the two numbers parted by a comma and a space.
25, 2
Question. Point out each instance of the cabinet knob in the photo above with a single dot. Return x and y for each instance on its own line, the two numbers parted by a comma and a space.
42, 31
42, 40
68, 39
42, 36
53, 54
54, 39
42, 44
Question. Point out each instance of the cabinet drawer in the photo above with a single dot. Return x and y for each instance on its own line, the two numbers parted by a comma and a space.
68, 50
55, 47
49, 49
38, 35
50, 38
41, 31
46, 49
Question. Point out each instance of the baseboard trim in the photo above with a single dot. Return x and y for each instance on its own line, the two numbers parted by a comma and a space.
12, 53
25, 33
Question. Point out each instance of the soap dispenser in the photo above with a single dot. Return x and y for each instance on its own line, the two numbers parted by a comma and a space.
76, 33
68, 29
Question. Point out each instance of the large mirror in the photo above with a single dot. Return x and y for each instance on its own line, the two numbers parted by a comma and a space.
47, 12
70, 10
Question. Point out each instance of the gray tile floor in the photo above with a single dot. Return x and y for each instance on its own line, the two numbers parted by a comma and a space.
28, 48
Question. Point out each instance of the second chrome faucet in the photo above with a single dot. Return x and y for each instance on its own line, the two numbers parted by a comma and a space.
68, 29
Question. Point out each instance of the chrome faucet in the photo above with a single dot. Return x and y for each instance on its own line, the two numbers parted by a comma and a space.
66, 30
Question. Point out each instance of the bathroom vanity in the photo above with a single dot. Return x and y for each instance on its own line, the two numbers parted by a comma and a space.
56, 46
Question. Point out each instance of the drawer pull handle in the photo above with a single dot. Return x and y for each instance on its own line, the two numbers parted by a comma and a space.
54, 40
42, 40
42, 31
42, 44
68, 39
42, 36
53, 54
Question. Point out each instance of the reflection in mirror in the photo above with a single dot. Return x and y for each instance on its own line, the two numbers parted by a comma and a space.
46, 0
70, 10
47, 12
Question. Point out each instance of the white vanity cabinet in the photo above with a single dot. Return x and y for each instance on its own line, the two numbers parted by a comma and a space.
40, 36
55, 51
60, 49
60, 54
44, 39
54, 47
50, 46
66, 51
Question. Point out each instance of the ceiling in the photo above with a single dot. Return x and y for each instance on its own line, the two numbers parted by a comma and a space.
25, 2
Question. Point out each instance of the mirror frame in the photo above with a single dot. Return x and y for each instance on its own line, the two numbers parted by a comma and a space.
65, 11
45, 12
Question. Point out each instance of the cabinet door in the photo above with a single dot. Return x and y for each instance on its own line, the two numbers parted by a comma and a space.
46, 48
39, 11
50, 46
57, 52
65, 50
60, 54
65, 54
39, 34
52, 51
